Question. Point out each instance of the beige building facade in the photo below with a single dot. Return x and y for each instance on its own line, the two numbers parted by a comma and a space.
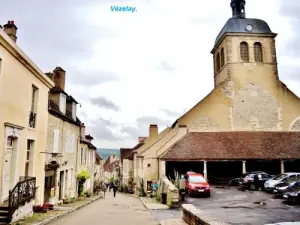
23, 116
87, 159
249, 102
63, 138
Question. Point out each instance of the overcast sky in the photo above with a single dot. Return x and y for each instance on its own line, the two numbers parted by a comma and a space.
132, 69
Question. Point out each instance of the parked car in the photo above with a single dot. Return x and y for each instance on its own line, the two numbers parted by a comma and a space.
235, 181
292, 195
196, 184
254, 181
269, 185
286, 186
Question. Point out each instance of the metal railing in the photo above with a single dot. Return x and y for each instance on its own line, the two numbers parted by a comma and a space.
32, 119
23, 191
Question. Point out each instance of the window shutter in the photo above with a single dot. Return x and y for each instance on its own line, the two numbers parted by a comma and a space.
55, 140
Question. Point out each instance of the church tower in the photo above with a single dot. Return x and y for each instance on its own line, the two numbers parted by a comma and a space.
244, 50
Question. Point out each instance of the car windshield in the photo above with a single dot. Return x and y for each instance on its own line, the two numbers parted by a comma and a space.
279, 177
196, 179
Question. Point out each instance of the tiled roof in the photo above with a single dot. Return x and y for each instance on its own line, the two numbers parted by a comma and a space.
54, 110
127, 153
235, 145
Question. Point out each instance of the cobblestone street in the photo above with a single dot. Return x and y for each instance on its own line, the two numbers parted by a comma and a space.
122, 209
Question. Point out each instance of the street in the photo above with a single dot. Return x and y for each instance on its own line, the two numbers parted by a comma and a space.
122, 209
238, 207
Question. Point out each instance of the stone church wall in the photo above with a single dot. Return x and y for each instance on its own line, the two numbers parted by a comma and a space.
255, 108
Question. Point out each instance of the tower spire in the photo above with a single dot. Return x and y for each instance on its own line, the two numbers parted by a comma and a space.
238, 8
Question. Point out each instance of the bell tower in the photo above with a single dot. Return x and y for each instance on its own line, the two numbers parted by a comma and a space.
244, 50
238, 8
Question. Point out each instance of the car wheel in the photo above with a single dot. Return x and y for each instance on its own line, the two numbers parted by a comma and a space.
252, 187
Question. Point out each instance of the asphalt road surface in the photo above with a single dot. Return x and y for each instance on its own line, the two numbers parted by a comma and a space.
238, 207
121, 210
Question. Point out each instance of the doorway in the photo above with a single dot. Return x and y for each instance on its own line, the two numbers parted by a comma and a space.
9, 167
61, 184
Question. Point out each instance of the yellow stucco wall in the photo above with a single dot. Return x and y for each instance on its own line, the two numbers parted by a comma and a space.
17, 75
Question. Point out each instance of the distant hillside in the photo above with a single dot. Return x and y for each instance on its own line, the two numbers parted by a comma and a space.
105, 152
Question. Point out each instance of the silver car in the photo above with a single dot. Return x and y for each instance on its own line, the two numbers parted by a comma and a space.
270, 184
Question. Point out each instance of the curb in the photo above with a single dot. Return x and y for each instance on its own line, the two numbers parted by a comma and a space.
65, 213
144, 203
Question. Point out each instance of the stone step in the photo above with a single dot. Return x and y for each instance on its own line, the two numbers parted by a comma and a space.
3, 219
3, 213
4, 208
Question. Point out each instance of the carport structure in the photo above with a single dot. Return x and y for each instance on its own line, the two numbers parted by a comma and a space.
223, 155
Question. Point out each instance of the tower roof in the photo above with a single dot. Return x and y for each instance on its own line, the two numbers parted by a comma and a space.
240, 24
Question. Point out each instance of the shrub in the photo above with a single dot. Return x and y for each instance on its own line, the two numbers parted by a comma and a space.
48, 206
88, 194
125, 188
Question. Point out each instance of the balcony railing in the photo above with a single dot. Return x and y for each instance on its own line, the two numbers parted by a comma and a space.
24, 191
32, 119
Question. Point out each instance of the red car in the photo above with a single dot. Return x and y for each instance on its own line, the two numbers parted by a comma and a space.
195, 184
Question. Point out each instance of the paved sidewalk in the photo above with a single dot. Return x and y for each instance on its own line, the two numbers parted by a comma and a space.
122, 209
151, 203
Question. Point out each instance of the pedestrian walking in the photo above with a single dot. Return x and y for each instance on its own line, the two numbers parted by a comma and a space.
104, 190
115, 190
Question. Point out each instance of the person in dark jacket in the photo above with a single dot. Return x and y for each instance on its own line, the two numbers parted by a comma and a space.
114, 187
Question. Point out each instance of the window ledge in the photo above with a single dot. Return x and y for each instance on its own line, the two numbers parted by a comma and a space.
30, 128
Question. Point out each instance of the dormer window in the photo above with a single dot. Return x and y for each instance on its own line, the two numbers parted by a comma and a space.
62, 103
74, 110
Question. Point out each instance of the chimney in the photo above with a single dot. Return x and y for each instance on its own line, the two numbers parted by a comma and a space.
59, 77
142, 140
82, 129
153, 131
11, 30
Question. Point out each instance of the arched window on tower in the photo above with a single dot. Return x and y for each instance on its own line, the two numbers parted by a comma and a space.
244, 51
218, 62
258, 52
222, 57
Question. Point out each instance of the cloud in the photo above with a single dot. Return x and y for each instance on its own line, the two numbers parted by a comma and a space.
165, 66
290, 9
90, 78
102, 102
170, 113
142, 126
102, 129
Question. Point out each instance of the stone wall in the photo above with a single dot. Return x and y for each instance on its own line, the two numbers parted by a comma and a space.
191, 215
23, 211
255, 108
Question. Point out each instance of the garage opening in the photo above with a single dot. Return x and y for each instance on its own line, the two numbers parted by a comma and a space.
183, 167
292, 166
223, 171
271, 167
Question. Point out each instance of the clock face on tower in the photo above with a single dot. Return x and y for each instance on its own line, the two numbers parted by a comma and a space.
249, 27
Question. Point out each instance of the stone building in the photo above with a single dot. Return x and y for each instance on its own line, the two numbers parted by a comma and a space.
112, 168
249, 121
63, 138
87, 159
24, 119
